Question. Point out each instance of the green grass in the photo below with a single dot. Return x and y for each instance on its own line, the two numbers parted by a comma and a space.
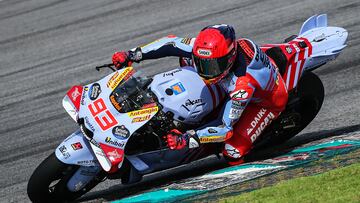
339, 185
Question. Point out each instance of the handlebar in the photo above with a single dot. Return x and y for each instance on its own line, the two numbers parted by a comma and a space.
110, 65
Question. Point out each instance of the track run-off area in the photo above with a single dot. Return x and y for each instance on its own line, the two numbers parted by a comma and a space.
47, 46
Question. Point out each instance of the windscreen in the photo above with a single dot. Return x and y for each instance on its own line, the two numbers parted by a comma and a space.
132, 94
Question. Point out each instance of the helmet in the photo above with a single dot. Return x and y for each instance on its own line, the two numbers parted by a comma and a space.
214, 52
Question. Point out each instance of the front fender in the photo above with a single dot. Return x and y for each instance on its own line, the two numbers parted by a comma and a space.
76, 150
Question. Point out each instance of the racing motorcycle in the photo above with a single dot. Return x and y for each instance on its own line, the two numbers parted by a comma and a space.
123, 117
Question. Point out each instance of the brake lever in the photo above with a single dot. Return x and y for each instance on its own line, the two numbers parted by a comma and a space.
110, 65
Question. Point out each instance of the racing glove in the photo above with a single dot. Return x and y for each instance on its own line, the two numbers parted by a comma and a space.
121, 59
126, 58
177, 140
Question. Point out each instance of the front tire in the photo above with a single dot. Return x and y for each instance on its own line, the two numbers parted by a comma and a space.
48, 183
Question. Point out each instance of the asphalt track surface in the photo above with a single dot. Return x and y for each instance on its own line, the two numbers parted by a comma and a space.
47, 46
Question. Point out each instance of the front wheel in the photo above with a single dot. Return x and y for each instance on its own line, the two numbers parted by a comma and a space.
48, 183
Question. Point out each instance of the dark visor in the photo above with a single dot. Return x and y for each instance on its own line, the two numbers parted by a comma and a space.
211, 68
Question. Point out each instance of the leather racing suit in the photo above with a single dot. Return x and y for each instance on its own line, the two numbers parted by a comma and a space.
257, 92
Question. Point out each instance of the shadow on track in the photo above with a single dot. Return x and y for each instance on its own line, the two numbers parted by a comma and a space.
210, 164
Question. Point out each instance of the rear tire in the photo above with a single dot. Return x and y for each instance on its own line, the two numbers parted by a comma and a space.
48, 183
304, 104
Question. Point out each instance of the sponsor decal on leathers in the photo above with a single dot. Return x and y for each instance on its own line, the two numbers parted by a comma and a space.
262, 126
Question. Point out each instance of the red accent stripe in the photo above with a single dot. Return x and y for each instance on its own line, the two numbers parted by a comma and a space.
212, 95
246, 48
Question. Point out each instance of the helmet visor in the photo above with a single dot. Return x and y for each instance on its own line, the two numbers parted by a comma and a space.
212, 67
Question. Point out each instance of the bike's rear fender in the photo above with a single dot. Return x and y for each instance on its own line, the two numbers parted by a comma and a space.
76, 150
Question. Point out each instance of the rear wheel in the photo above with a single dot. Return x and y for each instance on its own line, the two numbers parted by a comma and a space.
48, 183
303, 106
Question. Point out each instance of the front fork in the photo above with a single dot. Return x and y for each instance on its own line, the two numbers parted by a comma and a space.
76, 150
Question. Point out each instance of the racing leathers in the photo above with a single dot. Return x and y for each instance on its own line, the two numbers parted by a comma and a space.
256, 89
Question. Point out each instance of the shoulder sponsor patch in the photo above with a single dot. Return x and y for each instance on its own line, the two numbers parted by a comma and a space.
239, 94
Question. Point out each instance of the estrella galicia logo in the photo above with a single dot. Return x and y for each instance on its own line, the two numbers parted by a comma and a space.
94, 91
121, 132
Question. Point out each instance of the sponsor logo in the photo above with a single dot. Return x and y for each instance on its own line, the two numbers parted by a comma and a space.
115, 103
193, 143
95, 91
143, 112
186, 40
64, 152
87, 162
288, 49
240, 94
192, 102
219, 138
204, 52
212, 131
178, 88
141, 119
235, 113
82, 101
88, 124
262, 126
114, 155
256, 120
114, 142
75, 94
76, 146
171, 73
115, 80
296, 48
263, 58
121, 132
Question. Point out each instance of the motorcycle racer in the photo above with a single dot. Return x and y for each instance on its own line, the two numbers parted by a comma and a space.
256, 89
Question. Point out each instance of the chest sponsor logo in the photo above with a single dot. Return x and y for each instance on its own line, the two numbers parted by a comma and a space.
95, 91
121, 132
178, 88
102, 115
